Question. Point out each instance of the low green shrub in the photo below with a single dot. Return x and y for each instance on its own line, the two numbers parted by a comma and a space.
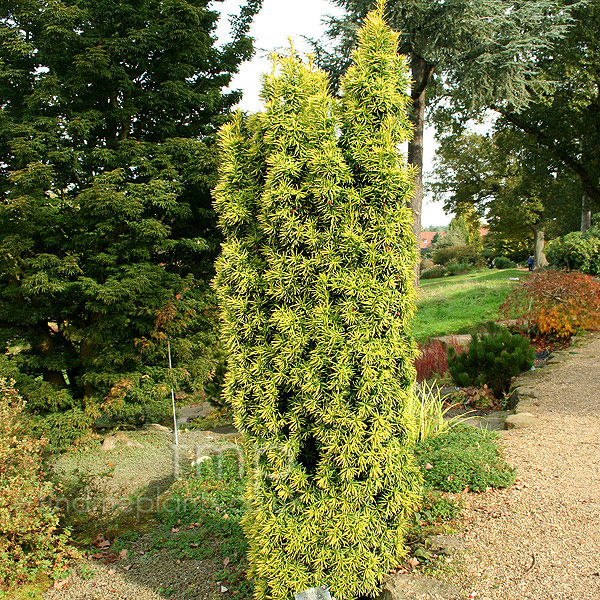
31, 541
459, 268
437, 508
458, 254
463, 457
434, 272
426, 264
493, 359
576, 251
502, 262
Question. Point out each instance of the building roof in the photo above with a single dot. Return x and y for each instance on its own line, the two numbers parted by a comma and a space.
427, 239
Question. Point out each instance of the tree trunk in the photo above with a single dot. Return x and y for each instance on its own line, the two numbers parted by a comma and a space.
47, 348
421, 71
586, 213
541, 261
87, 351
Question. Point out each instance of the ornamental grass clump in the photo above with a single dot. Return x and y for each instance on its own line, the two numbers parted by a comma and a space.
315, 285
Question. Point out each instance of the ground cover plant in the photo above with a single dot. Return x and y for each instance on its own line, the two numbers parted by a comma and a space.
555, 304
464, 457
315, 285
461, 304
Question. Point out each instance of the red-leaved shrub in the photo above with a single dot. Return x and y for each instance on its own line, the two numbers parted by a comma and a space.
555, 303
433, 358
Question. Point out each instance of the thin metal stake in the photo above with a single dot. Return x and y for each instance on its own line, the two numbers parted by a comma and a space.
173, 394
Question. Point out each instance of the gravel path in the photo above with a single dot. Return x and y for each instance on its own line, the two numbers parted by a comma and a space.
540, 539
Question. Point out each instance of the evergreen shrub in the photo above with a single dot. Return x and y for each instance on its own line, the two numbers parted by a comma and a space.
458, 268
108, 237
502, 262
576, 251
434, 272
315, 285
461, 457
30, 539
458, 254
493, 359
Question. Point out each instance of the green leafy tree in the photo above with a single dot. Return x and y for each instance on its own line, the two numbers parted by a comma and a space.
564, 118
107, 234
471, 53
315, 286
513, 183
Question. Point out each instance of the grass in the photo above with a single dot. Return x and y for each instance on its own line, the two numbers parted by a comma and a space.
461, 304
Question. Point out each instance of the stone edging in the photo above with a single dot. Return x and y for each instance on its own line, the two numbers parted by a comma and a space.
523, 397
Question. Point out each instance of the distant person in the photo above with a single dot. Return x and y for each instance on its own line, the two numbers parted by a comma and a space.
530, 263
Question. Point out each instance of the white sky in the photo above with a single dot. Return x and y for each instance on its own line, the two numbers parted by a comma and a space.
277, 21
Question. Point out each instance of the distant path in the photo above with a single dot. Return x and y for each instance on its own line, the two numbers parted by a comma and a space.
540, 540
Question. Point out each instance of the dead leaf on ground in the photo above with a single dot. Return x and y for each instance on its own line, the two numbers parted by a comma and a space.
110, 558
61, 584
123, 553
127, 567
414, 562
226, 561
101, 542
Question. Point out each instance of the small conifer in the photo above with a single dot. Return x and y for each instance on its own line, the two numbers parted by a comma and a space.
316, 293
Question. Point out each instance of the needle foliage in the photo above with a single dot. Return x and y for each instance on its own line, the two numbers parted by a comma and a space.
315, 284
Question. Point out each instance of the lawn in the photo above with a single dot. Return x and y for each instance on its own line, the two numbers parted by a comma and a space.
452, 305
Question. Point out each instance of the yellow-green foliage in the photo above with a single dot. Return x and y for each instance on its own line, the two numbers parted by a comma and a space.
29, 537
316, 293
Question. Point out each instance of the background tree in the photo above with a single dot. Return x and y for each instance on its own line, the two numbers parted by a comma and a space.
512, 183
107, 234
564, 118
315, 285
470, 53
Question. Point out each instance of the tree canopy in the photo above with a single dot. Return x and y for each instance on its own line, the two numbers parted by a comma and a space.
108, 114
468, 54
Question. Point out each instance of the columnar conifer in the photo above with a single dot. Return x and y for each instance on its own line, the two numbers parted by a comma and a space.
315, 285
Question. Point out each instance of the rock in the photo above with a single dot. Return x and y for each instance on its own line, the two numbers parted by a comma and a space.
406, 587
157, 427
513, 399
521, 421
492, 422
108, 443
188, 413
121, 437
527, 392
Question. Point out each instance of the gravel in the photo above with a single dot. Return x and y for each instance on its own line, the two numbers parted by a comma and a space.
540, 539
